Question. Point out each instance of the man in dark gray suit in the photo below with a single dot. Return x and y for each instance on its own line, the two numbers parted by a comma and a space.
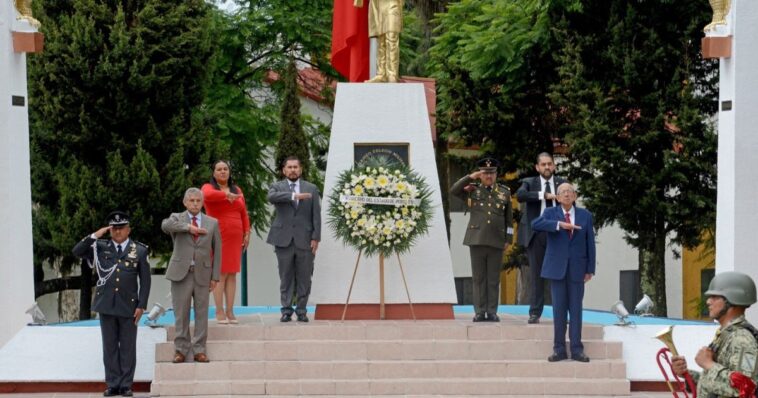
193, 271
538, 193
119, 298
488, 234
295, 234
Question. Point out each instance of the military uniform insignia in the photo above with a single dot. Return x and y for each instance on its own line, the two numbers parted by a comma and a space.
132, 251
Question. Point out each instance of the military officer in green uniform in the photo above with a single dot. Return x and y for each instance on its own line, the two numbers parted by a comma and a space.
488, 234
729, 362
123, 286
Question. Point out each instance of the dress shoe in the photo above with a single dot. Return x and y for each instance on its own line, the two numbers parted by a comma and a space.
178, 357
302, 318
126, 392
555, 357
110, 392
285, 318
479, 317
493, 317
201, 357
533, 319
580, 357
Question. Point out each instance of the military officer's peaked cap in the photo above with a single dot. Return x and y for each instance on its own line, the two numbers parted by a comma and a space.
488, 165
118, 218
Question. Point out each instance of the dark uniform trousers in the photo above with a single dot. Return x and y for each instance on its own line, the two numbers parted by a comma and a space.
119, 349
486, 264
540, 291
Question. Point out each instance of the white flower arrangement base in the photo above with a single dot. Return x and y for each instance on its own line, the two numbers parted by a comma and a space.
382, 313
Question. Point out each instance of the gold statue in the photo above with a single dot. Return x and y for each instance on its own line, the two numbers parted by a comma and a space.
720, 10
24, 8
385, 21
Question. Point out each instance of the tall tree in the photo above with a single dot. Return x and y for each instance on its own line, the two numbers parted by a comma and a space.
115, 121
292, 139
635, 99
493, 61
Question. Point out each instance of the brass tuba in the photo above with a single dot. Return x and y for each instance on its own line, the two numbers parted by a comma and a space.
666, 336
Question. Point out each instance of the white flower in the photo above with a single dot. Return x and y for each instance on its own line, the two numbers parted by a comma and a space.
369, 182
358, 190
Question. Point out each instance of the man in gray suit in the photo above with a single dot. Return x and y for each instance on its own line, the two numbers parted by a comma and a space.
295, 234
488, 234
193, 271
120, 300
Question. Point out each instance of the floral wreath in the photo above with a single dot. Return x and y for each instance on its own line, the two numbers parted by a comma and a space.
380, 209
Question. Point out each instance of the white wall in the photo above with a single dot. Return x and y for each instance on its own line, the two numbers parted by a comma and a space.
16, 261
737, 217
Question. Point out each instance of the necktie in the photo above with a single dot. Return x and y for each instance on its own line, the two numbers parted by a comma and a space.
118, 250
548, 203
194, 224
567, 217
292, 188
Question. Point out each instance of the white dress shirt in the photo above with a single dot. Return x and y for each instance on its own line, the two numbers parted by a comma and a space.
541, 194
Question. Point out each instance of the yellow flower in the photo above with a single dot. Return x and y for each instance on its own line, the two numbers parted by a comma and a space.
401, 187
404, 210
353, 214
358, 190
399, 224
369, 182
361, 222
387, 230
382, 181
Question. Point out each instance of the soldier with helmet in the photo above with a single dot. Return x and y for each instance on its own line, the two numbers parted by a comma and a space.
729, 362
488, 234
123, 287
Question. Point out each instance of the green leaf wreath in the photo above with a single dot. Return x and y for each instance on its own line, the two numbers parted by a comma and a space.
357, 218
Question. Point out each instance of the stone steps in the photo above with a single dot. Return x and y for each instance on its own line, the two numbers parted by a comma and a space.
529, 386
348, 370
262, 356
314, 350
375, 330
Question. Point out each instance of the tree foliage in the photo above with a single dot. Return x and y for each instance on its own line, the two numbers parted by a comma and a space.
635, 99
292, 139
493, 61
114, 118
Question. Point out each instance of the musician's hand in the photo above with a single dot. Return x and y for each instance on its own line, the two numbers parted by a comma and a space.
678, 365
704, 358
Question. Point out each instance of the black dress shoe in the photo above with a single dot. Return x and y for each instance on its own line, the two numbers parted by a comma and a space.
479, 317
111, 392
285, 318
555, 357
302, 318
126, 392
533, 319
580, 357
493, 317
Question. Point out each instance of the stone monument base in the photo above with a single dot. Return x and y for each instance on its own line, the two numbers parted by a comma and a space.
392, 311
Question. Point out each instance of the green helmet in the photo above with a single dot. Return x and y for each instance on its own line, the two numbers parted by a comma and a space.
736, 287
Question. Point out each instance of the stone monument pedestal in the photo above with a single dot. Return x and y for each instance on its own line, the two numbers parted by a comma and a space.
394, 114
736, 213
16, 251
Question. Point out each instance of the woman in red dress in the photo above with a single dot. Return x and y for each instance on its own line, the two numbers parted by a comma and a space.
224, 201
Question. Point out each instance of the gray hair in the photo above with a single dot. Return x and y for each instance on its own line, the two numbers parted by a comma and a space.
565, 187
192, 191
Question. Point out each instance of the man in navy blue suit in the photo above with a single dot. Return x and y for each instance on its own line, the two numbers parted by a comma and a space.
569, 264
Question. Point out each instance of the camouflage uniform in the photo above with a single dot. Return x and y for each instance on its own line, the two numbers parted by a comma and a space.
735, 349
